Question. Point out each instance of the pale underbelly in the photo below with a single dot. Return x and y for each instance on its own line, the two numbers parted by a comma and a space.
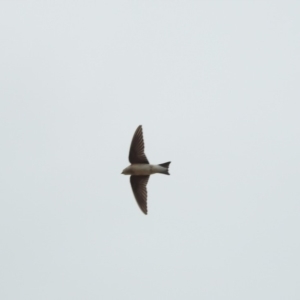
145, 169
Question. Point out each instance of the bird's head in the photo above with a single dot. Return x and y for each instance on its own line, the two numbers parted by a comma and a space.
126, 171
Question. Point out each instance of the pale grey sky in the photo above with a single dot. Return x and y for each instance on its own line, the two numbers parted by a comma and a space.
215, 85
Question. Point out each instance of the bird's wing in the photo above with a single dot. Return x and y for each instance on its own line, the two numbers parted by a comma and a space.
139, 188
136, 152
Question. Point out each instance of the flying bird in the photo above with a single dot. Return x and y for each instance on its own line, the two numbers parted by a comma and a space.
140, 169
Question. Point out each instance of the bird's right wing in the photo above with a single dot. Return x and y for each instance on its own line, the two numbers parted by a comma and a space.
139, 188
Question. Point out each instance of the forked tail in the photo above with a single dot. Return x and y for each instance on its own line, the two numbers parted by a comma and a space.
166, 165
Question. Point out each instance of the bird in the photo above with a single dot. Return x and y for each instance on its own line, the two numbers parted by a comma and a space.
140, 169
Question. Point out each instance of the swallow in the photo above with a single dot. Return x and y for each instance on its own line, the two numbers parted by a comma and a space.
140, 169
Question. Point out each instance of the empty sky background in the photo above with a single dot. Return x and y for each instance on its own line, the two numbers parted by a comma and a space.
215, 85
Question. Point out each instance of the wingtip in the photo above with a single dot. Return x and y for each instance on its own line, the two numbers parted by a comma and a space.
144, 211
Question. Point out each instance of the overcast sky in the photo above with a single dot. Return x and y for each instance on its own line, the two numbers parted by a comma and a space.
215, 85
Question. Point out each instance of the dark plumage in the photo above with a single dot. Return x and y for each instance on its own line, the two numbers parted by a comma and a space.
140, 169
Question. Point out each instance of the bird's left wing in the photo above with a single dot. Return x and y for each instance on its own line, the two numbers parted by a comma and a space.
136, 152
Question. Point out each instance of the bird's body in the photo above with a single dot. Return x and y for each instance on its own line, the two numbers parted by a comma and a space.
140, 169
145, 169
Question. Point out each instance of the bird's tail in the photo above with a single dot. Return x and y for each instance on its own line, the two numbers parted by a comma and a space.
166, 165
